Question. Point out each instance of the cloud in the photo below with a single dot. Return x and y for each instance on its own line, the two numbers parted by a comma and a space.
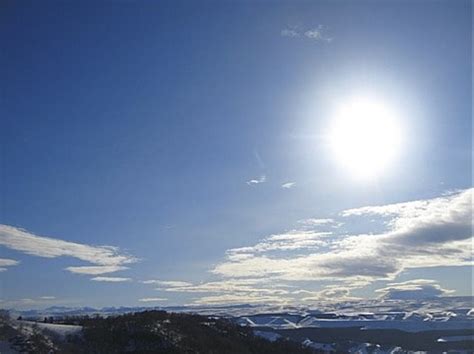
424, 233
413, 290
111, 279
314, 222
152, 299
319, 33
167, 283
261, 179
229, 291
226, 299
292, 240
95, 270
5, 262
334, 293
290, 32
31, 302
104, 257
288, 185
231, 286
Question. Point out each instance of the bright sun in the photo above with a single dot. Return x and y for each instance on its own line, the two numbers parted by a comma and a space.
365, 137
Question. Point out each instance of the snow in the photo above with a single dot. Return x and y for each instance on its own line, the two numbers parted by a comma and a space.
271, 336
320, 346
59, 329
456, 338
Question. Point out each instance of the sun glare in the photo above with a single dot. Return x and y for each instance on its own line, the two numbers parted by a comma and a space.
365, 137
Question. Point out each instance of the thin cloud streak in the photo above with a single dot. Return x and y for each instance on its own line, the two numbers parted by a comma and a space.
152, 299
112, 279
167, 282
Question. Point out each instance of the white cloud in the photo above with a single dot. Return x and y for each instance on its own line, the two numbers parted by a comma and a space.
315, 222
167, 282
5, 262
292, 240
335, 293
152, 299
226, 299
413, 289
288, 185
95, 270
231, 286
20, 240
32, 302
230, 291
426, 233
111, 279
261, 179
319, 33
290, 32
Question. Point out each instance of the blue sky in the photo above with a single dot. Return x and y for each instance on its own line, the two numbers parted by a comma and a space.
180, 132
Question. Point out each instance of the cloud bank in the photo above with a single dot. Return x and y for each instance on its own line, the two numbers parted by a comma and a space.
424, 233
413, 290
416, 234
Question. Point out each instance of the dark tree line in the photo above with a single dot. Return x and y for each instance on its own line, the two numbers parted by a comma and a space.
171, 333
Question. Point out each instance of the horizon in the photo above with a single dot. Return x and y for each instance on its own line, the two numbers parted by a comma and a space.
212, 153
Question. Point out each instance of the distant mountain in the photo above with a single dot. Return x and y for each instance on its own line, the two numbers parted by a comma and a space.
362, 308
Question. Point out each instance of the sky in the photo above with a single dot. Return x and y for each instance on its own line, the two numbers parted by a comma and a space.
198, 152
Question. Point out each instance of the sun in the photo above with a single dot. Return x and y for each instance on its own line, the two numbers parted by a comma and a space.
365, 137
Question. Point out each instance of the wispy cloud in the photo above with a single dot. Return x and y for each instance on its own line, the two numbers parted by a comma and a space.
105, 258
254, 181
413, 289
232, 286
152, 299
29, 303
229, 291
95, 270
5, 262
111, 279
319, 33
288, 185
290, 32
316, 222
334, 293
292, 240
167, 283
226, 299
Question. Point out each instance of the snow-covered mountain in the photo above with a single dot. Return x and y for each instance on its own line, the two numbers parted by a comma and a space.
407, 315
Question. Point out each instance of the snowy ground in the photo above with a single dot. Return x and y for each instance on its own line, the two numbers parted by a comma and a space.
58, 329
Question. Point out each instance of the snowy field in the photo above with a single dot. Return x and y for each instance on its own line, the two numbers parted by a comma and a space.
59, 329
